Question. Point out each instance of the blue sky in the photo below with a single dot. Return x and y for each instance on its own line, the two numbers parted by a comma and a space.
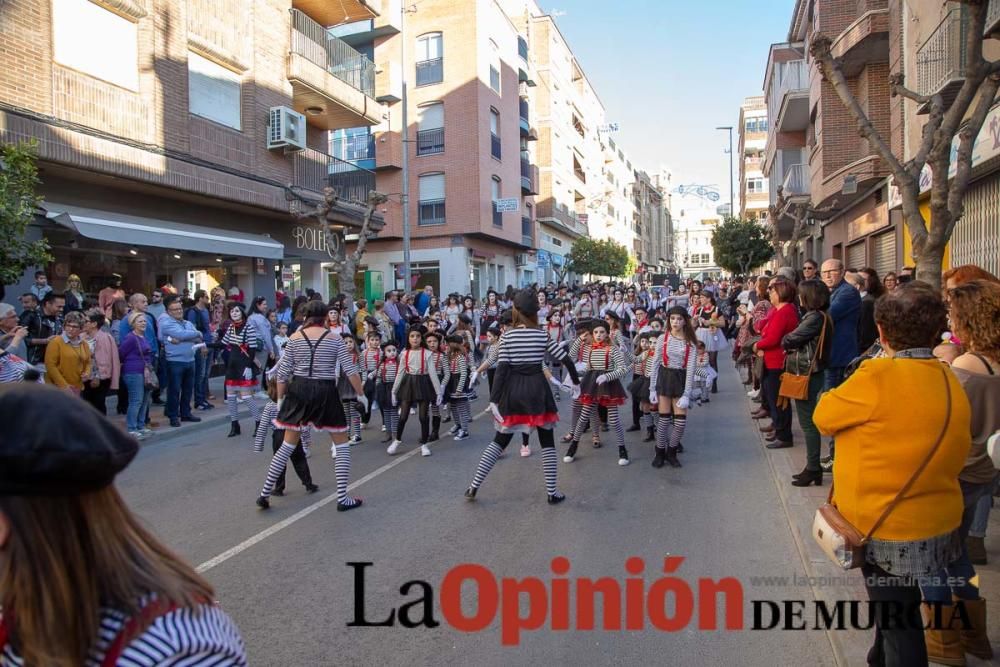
669, 72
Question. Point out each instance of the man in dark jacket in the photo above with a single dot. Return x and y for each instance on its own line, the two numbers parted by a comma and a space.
845, 307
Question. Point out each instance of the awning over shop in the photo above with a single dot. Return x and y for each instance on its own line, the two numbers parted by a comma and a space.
140, 231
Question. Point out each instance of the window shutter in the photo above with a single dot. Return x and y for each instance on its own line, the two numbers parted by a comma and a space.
884, 249
431, 117
431, 187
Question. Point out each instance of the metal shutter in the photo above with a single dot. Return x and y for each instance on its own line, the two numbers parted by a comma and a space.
884, 251
976, 239
431, 116
856, 255
432, 187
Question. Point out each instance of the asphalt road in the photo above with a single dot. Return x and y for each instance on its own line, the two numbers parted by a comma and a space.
292, 594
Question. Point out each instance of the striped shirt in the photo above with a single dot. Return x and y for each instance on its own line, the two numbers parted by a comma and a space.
459, 365
679, 354
520, 346
12, 368
244, 335
204, 636
443, 367
386, 371
417, 362
331, 359
370, 360
267, 416
607, 358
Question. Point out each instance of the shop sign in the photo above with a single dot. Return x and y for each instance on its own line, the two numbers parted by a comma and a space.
314, 240
543, 259
287, 274
869, 222
557, 259
261, 269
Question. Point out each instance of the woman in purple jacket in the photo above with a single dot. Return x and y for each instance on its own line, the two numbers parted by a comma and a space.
136, 355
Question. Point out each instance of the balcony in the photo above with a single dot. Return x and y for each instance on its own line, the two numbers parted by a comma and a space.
330, 13
796, 184
863, 42
355, 32
430, 212
523, 116
565, 219
430, 71
430, 141
495, 146
354, 147
941, 59
329, 78
788, 102
527, 237
529, 178
315, 170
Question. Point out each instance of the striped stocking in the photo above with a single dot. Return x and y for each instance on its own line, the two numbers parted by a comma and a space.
663, 429
489, 459
342, 468
550, 468
680, 421
586, 413
231, 405
615, 424
254, 406
277, 468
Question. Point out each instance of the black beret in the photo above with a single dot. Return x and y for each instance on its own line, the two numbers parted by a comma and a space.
678, 310
76, 452
465, 318
389, 343
506, 317
612, 314
526, 302
584, 325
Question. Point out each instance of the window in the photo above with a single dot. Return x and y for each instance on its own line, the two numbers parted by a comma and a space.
495, 133
421, 274
213, 91
494, 66
496, 195
430, 129
755, 185
431, 200
430, 59
95, 41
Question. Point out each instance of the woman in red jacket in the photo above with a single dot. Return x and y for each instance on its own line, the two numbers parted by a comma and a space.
781, 321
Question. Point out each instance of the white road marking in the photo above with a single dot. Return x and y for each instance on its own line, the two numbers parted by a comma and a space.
303, 513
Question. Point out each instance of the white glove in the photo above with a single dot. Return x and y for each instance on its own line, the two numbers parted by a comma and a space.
395, 401
440, 400
248, 374
581, 367
555, 382
683, 402
601, 379
652, 396
363, 402
993, 448
473, 377
370, 375
281, 401
198, 346
496, 412
576, 391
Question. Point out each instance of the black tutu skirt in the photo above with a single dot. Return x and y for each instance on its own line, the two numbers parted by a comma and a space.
670, 382
383, 395
611, 393
455, 392
639, 387
415, 388
346, 389
523, 398
236, 367
314, 403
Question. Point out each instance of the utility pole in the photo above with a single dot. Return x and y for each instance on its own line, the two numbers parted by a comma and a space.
732, 210
405, 132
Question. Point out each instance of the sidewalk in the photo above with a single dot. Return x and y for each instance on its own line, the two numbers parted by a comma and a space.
799, 505
209, 418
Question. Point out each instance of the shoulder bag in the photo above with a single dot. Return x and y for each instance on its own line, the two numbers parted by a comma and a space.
797, 386
838, 538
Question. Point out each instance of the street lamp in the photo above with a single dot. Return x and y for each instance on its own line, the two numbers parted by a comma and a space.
730, 129
405, 195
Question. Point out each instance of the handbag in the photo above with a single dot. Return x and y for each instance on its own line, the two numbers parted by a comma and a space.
149, 378
797, 386
838, 538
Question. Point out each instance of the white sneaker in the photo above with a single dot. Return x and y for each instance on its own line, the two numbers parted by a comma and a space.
333, 451
525, 451
623, 462
383, 428
146, 431
425, 450
568, 459
137, 435
753, 393
393, 448
354, 439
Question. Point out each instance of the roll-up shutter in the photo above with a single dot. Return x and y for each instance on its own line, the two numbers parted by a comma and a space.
884, 253
856, 255
432, 187
431, 116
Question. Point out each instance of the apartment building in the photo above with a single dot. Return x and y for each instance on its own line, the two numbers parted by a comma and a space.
753, 188
653, 221
694, 212
177, 139
925, 45
813, 153
617, 205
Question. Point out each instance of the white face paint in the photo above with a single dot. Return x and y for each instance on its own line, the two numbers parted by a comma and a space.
236, 314
676, 322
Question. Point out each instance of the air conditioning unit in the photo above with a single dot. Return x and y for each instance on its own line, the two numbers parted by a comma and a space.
521, 259
286, 128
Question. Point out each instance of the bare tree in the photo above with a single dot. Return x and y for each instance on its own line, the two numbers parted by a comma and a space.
800, 213
963, 117
346, 267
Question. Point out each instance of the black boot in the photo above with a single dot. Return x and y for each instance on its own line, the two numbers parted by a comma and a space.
672, 458
435, 428
234, 429
650, 435
659, 458
556, 498
256, 425
808, 477
623, 456
470, 493
680, 448
632, 429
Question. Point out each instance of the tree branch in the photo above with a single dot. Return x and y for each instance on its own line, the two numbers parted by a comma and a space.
976, 70
963, 159
896, 88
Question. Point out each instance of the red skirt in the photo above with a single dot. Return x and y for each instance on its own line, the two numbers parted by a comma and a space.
609, 394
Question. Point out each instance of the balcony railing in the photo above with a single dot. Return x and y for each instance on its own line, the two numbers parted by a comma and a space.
430, 212
566, 217
495, 146
311, 41
430, 71
529, 177
796, 181
354, 147
941, 59
788, 77
522, 109
315, 170
430, 141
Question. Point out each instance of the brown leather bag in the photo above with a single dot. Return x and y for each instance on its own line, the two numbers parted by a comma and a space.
838, 538
797, 386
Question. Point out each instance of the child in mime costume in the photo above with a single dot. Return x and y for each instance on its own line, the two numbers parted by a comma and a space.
520, 400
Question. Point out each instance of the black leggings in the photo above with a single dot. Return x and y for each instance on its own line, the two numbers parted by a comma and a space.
713, 361
422, 415
546, 437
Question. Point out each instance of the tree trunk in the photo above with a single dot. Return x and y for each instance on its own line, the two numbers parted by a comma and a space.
930, 262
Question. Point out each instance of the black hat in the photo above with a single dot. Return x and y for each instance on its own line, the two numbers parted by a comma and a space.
584, 325
389, 343
612, 314
598, 323
506, 317
678, 310
456, 339
464, 318
526, 302
78, 452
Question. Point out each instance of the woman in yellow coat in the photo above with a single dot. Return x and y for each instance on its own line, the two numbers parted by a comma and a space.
67, 357
886, 418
